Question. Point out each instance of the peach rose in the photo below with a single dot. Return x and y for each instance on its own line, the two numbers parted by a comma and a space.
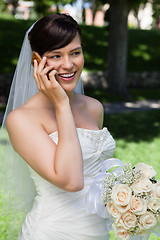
154, 205
121, 194
156, 189
141, 185
147, 220
138, 205
120, 232
112, 210
128, 220
147, 171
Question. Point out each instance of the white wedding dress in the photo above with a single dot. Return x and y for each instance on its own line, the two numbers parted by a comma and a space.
60, 215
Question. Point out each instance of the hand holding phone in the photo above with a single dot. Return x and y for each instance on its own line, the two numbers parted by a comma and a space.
38, 58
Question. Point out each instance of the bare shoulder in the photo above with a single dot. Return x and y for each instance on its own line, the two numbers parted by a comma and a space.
21, 122
95, 108
17, 117
24, 115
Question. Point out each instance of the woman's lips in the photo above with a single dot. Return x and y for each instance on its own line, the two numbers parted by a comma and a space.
67, 76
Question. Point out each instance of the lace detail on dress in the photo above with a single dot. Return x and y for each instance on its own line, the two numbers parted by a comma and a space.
95, 136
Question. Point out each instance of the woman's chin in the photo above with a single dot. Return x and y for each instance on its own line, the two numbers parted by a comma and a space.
68, 86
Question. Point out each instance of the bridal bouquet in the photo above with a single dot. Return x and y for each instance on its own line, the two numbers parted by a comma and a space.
129, 199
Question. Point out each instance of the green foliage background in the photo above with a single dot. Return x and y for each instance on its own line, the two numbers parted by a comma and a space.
143, 49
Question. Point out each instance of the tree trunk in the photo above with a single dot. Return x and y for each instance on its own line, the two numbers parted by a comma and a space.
14, 5
83, 15
94, 9
57, 6
118, 44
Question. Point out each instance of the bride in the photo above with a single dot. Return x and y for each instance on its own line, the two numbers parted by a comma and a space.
58, 132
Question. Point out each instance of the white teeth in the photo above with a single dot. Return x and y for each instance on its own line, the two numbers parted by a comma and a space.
67, 75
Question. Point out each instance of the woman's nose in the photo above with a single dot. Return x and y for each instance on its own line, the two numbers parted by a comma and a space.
67, 63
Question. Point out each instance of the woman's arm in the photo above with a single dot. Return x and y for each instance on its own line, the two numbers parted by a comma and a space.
60, 164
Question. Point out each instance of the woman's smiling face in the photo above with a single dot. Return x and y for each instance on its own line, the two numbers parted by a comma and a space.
68, 62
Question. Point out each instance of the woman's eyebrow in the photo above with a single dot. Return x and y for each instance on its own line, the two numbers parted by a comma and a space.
77, 48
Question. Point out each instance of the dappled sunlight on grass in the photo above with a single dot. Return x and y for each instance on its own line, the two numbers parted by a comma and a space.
14, 61
105, 44
134, 127
105, 96
95, 47
141, 51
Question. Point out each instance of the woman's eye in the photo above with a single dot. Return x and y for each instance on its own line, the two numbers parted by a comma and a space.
54, 57
76, 53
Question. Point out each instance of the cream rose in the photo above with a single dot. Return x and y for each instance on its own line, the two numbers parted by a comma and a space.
156, 189
123, 209
120, 232
112, 210
128, 220
154, 205
147, 220
147, 171
138, 205
141, 185
121, 194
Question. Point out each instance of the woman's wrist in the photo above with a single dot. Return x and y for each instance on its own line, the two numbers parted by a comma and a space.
62, 106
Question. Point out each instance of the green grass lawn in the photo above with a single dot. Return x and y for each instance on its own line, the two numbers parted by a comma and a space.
143, 50
137, 137
137, 94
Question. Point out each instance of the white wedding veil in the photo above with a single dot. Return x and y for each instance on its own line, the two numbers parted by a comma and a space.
17, 189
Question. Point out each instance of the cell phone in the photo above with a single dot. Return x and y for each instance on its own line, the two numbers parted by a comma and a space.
37, 57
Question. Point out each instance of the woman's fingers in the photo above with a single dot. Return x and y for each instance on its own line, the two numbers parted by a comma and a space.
42, 64
47, 70
38, 76
44, 76
52, 75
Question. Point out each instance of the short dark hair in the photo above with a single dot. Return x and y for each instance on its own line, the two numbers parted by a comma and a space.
53, 32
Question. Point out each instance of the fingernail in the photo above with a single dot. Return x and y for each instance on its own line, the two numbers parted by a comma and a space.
44, 58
